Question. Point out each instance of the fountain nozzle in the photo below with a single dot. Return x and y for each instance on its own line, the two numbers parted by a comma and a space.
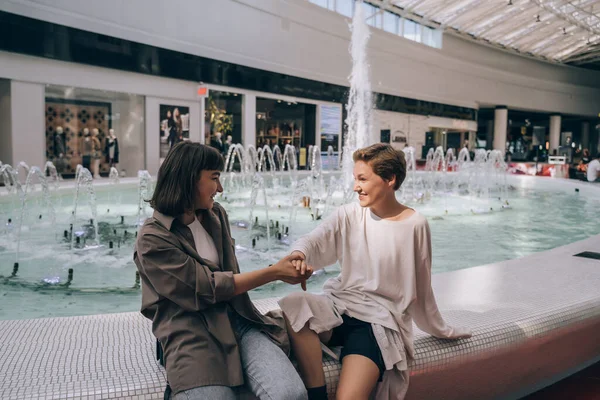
69, 278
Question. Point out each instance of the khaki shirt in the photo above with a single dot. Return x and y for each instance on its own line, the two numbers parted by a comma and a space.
188, 300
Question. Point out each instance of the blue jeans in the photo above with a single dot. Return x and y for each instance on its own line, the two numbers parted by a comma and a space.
268, 372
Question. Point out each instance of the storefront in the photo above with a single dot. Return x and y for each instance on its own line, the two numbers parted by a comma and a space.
281, 123
97, 129
223, 118
423, 132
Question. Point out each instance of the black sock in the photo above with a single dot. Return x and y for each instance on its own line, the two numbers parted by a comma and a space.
317, 393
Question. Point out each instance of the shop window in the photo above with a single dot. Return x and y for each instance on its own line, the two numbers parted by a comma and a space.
331, 126
94, 128
281, 122
223, 119
174, 126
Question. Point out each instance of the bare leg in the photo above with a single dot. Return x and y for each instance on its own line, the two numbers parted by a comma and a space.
358, 378
306, 345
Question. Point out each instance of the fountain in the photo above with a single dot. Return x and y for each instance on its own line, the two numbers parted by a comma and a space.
360, 101
256, 180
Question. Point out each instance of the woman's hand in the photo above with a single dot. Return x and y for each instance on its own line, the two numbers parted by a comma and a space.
300, 265
289, 270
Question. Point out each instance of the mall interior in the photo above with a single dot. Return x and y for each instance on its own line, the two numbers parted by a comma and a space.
495, 105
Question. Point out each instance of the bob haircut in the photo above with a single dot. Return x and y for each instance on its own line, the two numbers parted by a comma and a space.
179, 174
386, 161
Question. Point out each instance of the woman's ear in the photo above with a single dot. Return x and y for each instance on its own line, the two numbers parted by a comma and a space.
392, 182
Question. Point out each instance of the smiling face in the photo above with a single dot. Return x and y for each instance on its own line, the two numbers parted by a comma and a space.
207, 188
371, 188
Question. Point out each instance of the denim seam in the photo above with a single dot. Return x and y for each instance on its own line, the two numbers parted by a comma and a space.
259, 385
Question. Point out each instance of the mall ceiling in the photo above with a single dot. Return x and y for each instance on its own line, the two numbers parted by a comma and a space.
561, 31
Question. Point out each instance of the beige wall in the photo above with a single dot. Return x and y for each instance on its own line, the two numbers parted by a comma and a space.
28, 125
301, 39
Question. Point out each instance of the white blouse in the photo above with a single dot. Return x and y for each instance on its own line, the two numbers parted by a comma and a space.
385, 279
205, 245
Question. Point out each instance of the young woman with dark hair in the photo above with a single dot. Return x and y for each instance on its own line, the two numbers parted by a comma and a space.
214, 339
384, 250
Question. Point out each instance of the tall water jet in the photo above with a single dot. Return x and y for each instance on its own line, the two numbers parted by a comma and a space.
144, 192
360, 99
291, 162
84, 178
331, 159
409, 187
278, 158
25, 167
50, 171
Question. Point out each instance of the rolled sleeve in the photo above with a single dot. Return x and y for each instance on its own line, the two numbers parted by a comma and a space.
224, 287
178, 277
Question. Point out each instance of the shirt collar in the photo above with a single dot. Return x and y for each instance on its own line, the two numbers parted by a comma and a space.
167, 220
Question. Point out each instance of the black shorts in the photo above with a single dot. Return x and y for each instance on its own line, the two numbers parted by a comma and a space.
357, 337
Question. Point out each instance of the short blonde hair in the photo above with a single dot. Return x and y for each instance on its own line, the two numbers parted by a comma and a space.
386, 161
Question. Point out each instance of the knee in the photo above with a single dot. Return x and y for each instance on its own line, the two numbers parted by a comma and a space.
293, 300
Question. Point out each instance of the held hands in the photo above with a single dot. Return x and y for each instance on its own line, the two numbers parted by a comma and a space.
292, 269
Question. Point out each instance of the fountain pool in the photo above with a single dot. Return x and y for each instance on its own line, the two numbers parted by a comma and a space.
466, 231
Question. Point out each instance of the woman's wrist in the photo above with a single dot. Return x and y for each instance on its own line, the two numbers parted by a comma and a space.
271, 273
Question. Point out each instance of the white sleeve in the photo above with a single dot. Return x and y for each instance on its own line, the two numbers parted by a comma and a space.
424, 309
321, 245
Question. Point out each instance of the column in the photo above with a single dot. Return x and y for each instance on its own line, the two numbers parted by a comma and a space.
202, 122
500, 128
318, 127
555, 121
28, 123
5, 123
489, 135
585, 135
472, 140
249, 120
